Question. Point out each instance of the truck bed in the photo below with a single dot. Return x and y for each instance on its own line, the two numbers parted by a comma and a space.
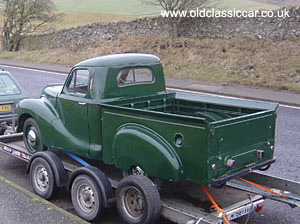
209, 108
211, 131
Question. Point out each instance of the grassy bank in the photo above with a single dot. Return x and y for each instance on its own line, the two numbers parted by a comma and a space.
248, 62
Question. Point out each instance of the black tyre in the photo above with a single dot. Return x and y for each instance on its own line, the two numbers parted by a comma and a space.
265, 168
42, 178
86, 198
32, 136
137, 171
138, 200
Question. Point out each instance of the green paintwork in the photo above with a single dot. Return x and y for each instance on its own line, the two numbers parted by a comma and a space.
172, 136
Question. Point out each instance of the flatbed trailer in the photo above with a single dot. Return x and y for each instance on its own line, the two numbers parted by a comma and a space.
183, 202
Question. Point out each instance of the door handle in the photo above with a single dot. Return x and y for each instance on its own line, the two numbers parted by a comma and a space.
81, 103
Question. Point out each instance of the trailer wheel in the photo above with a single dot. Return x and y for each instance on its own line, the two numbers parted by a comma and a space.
42, 178
32, 136
86, 198
137, 171
138, 200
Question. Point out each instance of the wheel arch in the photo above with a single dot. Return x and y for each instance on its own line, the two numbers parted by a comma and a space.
22, 120
134, 145
101, 180
42, 111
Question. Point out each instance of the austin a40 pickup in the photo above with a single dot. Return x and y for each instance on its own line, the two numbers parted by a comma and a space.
116, 109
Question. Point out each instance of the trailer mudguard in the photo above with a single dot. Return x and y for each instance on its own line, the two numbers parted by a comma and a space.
100, 179
136, 145
42, 111
55, 164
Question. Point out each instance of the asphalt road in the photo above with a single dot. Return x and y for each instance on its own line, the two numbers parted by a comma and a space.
14, 203
286, 166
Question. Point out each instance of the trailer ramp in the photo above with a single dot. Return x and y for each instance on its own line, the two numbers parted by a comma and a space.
288, 188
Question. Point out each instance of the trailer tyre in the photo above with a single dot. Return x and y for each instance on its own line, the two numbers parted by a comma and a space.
32, 136
138, 200
136, 170
86, 198
42, 178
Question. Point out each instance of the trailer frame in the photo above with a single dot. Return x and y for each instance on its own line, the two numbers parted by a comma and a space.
184, 213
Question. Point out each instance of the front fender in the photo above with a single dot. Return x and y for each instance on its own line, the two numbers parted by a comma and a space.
136, 145
42, 111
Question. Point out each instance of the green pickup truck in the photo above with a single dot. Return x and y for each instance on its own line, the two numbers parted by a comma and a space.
116, 109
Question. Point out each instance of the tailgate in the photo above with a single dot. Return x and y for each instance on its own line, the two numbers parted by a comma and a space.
242, 142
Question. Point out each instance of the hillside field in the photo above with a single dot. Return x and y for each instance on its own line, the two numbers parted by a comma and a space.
78, 13
120, 7
139, 7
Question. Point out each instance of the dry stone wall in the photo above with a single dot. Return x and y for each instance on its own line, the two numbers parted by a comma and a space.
224, 28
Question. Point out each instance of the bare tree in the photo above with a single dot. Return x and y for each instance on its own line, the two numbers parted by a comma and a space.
180, 5
22, 17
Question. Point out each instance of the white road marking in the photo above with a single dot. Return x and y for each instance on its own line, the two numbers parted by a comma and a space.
227, 97
197, 92
34, 70
292, 107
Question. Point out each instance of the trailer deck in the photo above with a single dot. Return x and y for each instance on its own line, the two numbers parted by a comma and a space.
186, 202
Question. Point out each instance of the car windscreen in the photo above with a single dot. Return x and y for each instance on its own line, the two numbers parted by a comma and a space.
8, 86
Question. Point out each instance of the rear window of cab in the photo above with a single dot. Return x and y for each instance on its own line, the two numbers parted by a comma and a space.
133, 76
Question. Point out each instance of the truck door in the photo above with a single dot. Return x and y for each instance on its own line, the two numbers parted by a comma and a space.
73, 110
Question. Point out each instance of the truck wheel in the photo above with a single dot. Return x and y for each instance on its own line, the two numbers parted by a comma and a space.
32, 136
138, 200
265, 167
86, 198
42, 178
134, 170
137, 171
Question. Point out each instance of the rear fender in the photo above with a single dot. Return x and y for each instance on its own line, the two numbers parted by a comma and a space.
136, 145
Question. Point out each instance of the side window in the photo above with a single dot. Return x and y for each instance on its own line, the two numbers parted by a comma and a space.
79, 82
134, 75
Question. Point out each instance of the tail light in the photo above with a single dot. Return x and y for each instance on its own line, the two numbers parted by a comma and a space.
260, 154
230, 163
270, 145
214, 166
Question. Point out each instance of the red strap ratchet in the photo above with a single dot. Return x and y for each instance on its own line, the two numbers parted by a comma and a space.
215, 205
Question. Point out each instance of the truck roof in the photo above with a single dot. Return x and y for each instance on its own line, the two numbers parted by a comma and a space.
120, 60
